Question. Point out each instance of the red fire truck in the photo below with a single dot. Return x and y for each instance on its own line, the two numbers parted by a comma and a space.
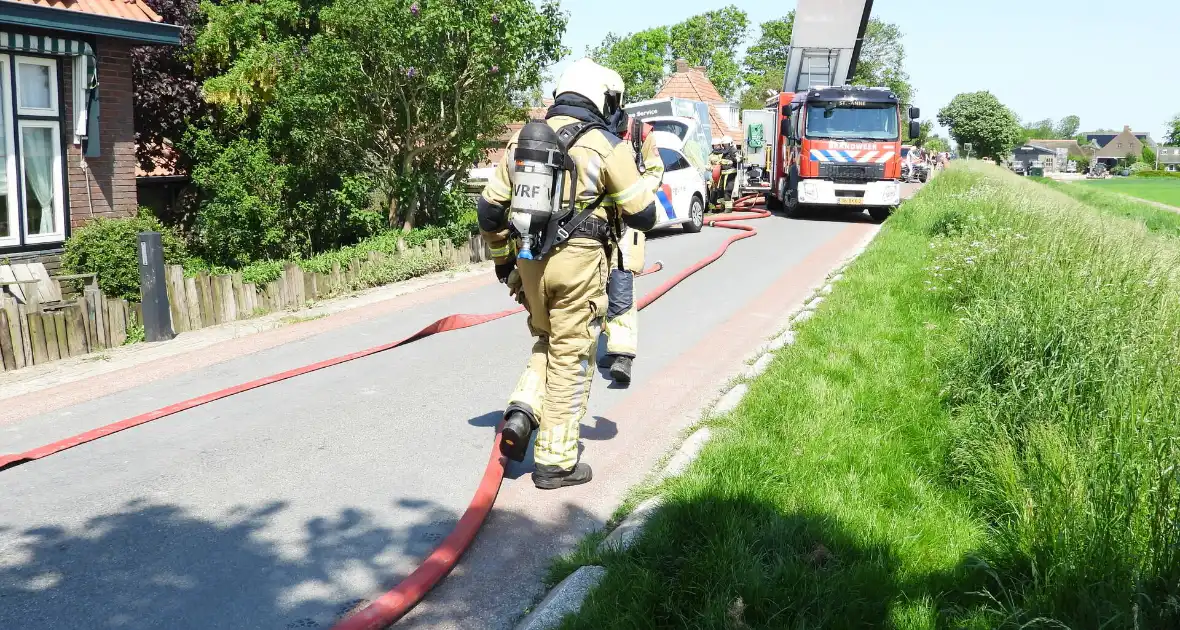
835, 144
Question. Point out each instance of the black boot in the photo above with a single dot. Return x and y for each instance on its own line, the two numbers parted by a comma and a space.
620, 370
552, 477
514, 437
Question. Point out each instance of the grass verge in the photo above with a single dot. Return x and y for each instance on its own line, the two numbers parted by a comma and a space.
1152, 217
1163, 190
978, 429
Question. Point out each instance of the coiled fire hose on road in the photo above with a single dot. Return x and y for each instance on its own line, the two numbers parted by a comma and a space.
390, 607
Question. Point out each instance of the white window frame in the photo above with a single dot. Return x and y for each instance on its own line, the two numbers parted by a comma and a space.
59, 234
14, 224
52, 111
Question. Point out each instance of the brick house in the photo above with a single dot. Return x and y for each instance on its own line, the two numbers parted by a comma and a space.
1114, 148
67, 137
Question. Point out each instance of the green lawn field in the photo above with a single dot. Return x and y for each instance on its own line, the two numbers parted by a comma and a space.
1161, 190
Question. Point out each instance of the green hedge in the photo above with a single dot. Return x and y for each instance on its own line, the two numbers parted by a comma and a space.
107, 247
265, 271
1157, 174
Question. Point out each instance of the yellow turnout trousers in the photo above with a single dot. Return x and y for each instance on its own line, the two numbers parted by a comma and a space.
622, 319
565, 294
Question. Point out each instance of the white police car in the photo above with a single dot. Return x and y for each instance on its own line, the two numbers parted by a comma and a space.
681, 198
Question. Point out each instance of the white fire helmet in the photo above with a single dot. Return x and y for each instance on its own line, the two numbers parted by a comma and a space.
602, 86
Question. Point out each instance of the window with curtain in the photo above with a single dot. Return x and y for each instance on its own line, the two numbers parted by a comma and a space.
32, 176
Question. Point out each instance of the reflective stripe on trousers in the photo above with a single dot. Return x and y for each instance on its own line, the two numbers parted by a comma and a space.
566, 297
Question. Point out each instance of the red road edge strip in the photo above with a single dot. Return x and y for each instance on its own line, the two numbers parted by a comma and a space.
392, 605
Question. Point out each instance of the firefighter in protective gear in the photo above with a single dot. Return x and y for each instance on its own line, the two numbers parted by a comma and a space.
626, 259
565, 289
725, 155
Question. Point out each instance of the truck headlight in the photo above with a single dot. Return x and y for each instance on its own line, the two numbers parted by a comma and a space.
892, 193
809, 190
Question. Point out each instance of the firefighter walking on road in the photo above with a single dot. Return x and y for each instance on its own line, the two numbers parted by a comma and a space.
626, 259
547, 213
725, 156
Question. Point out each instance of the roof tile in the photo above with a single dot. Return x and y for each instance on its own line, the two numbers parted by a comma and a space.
125, 9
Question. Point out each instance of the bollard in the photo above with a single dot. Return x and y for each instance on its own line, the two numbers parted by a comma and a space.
153, 290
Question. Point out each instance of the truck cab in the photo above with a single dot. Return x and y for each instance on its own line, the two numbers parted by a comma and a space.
840, 146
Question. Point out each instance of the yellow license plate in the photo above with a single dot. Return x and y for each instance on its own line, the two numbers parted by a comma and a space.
851, 201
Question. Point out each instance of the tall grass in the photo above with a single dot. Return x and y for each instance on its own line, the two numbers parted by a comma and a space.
980, 429
1064, 382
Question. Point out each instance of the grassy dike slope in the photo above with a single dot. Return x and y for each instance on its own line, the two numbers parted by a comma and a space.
979, 429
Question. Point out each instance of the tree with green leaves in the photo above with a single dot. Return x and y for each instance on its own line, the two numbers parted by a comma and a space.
936, 144
640, 58
412, 89
766, 61
1148, 155
882, 60
334, 117
1067, 127
1172, 135
979, 118
711, 40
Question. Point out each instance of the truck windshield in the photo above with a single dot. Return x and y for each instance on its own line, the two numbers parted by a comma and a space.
867, 121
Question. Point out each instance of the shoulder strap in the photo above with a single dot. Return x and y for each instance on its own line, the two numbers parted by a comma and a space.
570, 134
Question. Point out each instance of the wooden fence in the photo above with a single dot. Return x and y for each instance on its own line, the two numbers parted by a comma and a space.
33, 334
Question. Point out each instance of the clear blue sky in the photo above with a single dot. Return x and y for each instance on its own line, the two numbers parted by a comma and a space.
1097, 59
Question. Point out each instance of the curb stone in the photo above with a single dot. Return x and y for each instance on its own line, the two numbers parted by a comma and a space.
731, 399
684, 456
804, 316
564, 599
628, 532
756, 370
813, 303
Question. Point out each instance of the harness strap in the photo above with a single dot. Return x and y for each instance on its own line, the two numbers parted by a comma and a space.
560, 231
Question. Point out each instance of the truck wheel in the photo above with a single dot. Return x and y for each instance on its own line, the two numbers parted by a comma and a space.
923, 177
774, 200
696, 215
880, 214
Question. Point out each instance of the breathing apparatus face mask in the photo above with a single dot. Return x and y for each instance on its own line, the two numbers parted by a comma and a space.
619, 122
611, 104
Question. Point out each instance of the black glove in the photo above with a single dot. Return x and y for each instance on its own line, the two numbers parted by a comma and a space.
502, 271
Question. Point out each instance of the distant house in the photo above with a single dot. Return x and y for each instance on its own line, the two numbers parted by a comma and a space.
689, 82
1113, 148
1103, 138
1030, 153
1073, 150
1063, 152
1169, 158
67, 138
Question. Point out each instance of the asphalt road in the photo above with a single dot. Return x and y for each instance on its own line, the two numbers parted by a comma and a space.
285, 506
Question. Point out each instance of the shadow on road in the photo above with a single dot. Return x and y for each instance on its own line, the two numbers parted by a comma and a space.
151, 565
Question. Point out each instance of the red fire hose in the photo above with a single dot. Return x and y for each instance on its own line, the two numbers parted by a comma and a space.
397, 602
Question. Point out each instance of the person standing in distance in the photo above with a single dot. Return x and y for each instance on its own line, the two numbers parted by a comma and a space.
626, 258
562, 282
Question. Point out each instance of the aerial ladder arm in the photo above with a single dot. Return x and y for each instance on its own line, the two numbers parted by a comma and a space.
826, 43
